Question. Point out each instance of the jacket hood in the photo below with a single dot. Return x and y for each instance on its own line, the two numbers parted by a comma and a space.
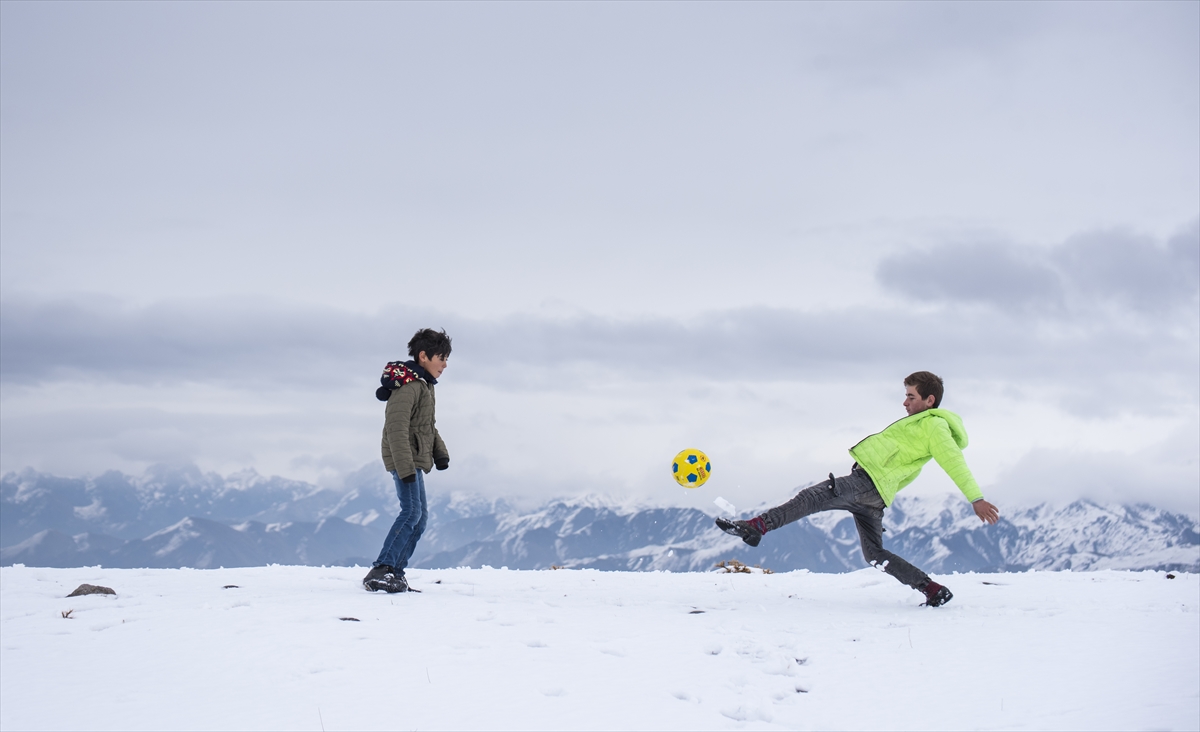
956, 424
420, 371
395, 375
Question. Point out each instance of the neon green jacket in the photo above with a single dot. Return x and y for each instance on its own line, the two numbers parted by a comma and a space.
894, 458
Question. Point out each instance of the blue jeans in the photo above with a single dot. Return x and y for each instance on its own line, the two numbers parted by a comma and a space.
409, 525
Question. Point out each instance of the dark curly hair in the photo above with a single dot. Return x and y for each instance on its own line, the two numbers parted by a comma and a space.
432, 342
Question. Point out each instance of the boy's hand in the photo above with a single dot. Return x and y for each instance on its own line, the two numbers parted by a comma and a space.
442, 463
409, 479
986, 512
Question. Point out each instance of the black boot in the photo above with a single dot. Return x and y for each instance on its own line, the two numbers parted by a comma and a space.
384, 577
745, 529
374, 576
397, 583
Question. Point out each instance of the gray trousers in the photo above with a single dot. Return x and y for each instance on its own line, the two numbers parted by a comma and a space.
854, 493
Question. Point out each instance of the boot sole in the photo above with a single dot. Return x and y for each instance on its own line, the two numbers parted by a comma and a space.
384, 586
733, 530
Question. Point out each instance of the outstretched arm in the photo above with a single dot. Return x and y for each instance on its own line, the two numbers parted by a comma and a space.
986, 512
948, 455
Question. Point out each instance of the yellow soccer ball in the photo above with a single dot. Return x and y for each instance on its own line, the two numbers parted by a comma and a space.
691, 468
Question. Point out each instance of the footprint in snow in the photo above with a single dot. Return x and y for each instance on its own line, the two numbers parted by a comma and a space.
742, 714
779, 666
752, 652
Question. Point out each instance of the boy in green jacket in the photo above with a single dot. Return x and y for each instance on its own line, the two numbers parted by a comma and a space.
886, 462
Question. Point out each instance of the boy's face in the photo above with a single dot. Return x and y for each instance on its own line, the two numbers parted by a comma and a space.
913, 403
435, 366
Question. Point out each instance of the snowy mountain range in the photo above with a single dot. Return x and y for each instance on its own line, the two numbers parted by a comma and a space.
186, 518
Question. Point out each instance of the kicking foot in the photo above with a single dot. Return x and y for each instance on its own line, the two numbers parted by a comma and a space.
936, 595
745, 529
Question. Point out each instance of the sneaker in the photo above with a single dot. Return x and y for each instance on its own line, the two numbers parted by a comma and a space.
749, 533
936, 595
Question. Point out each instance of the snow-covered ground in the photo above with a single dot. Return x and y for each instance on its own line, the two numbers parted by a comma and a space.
499, 649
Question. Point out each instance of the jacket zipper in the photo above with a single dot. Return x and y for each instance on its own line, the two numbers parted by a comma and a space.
885, 429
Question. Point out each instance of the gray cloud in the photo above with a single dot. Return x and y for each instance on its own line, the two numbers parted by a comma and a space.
1111, 269
991, 273
1133, 271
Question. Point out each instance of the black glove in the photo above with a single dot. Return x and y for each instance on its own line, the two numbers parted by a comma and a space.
442, 463
409, 479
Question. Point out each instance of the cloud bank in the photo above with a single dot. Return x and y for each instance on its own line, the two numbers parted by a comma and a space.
1075, 321
1101, 329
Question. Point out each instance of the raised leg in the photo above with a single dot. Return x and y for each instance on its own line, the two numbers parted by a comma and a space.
815, 498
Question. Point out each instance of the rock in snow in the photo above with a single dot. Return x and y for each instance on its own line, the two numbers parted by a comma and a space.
86, 589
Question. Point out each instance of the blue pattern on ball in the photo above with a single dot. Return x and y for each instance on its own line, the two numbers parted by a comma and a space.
692, 478
692, 459
674, 467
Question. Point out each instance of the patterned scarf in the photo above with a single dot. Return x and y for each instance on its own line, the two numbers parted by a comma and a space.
395, 375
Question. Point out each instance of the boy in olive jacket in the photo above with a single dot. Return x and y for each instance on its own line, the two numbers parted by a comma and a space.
411, 448
886, 462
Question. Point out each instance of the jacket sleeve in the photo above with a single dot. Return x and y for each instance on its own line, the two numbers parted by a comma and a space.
948, 455
398, 415
439, 447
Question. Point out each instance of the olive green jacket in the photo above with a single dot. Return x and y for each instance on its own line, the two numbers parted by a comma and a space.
894, 458
410, 437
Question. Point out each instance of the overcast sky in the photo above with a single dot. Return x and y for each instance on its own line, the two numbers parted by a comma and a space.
646, 226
